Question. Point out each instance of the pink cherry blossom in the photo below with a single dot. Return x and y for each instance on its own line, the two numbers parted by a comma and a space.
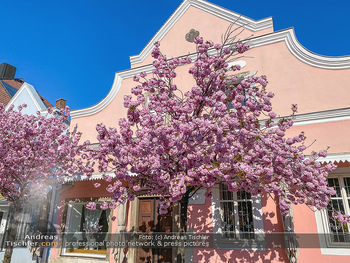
104, 206
208, 134
37, 151
91, 206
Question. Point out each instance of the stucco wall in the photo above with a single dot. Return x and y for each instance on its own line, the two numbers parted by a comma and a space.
293, 81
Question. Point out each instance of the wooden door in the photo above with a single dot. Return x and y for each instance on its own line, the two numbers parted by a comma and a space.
149, 221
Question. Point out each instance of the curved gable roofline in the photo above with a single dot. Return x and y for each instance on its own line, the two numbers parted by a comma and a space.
286, 35
299, 51
210, 8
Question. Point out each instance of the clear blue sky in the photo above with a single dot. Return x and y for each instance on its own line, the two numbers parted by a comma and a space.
71, 49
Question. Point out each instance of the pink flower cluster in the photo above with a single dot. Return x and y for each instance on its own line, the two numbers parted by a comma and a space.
176, 141
36, 150
343, 219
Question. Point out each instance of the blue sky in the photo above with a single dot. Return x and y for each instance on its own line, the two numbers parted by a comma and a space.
71, 49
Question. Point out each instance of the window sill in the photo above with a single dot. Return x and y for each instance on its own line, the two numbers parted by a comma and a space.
336, 251
83, 255
239, 244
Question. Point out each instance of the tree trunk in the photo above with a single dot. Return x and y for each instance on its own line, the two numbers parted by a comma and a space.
183, 225
15, 213
183, 215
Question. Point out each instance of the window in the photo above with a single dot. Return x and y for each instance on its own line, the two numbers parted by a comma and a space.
237, 219
339, 202
335, 237
236, 214
86, 231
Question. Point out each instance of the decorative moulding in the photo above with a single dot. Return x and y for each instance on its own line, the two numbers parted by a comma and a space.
287, 35
119, 77
308, 57
342, 114
83, 177
79, 178
336, 157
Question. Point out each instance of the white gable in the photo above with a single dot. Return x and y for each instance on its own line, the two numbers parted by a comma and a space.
27, 95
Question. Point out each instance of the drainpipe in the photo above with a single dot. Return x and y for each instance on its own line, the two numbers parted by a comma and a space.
55, 198
50, 218
290, 239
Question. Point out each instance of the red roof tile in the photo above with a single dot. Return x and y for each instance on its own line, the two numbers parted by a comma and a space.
4, 95
16, 83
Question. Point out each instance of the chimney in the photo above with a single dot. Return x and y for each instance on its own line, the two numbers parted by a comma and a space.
60, 103
7, 71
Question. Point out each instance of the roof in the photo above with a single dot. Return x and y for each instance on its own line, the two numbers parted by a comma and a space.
9, 87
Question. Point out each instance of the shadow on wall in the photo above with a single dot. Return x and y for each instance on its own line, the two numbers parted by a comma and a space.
199, 221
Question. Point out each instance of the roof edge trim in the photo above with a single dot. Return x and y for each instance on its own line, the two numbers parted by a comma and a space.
286, 35
299, 51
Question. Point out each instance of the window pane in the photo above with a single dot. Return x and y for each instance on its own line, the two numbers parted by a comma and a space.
87, 229
225, 193
339, 232
243, 195
245, 214
75, 220
228, 219
347, 186
333, 182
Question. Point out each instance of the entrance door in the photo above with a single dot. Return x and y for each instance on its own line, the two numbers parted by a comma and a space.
149, 221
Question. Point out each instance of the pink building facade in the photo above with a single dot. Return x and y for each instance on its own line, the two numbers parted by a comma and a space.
318, 84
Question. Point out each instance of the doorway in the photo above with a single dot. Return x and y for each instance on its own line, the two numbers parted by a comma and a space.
150, 221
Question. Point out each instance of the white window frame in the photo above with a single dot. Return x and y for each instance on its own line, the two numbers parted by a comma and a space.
328, 247
237, 244
72, 254
4, 208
